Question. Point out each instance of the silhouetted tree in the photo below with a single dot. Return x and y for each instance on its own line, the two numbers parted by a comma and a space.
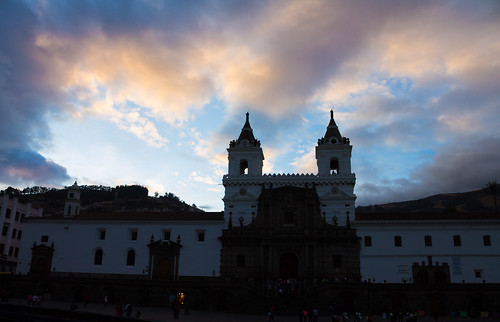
491, 186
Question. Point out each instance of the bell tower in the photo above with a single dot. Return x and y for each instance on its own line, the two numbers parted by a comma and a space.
245, 154
335, 179
333, 152
243, 182
72, 204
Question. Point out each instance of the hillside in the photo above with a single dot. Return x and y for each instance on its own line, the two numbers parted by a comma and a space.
100, 198
473, 201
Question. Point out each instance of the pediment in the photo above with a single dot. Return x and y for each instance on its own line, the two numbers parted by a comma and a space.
335, 194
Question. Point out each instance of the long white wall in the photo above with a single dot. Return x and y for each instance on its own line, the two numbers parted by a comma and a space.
75, 243
471, 262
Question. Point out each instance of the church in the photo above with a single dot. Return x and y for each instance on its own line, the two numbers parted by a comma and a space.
288, 226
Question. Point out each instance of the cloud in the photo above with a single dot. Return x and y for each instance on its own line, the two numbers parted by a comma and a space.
27, 167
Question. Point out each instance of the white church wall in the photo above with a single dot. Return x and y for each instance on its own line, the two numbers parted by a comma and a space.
75, 243
470, 260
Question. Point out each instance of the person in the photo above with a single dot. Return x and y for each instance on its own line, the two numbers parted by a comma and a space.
128, 309
105, 300
271, 313
85, 301
315, 314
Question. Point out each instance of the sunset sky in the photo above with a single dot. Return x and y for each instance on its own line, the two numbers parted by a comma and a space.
151, 92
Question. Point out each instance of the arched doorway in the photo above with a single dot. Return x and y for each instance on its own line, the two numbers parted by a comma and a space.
289, 265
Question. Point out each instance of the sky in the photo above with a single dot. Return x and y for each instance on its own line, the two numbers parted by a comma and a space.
152, 92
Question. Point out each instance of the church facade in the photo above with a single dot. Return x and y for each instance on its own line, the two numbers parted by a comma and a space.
290, 226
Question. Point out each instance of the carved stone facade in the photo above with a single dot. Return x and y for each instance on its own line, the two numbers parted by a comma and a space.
289, 238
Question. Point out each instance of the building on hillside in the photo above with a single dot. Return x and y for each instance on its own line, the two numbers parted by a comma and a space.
429, 248
12, 217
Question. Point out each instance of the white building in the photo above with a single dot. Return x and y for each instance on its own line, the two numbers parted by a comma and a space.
12, 216
429, 247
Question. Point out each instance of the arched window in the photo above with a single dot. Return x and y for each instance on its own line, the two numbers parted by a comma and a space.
131, 257
98, 257
243, 166
334, 166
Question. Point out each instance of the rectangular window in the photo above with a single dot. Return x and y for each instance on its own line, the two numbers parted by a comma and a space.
478, 273
17, 216
457, 241
166, 234
240, 260
2, 247
428, 241
16, 252
133, 234
337, 261
45, 239
7, 213
11, 250
368, 241
22, 217
201, 235
101, 233
19, 233
397, 241
486, 240
5, 229
14, 233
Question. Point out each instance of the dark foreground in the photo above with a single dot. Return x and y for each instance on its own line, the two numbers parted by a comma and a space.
17, 310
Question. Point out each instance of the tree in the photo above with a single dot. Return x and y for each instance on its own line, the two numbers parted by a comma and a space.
492, 188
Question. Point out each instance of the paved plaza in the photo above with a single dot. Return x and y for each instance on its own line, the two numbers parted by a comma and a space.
164, 314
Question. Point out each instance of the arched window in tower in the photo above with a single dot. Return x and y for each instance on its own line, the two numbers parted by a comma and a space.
334, 166
243, 166
131, 257
98, 257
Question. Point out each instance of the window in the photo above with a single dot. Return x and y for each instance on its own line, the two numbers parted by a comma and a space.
397, 241
243, 166
98, 257
5, 229
14, 232
131, 257
457, 241
101, 233
428, 241
133, 234
201, 235
334, 166
11, 250
478, 273
7, 213
240, 260
166, 234
45, 239
17, 216
486, 240
22, 217
19, 233
368, 241
337, 261
16, 252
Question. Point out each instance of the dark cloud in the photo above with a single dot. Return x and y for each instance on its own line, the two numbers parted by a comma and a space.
23, 167
467, 164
